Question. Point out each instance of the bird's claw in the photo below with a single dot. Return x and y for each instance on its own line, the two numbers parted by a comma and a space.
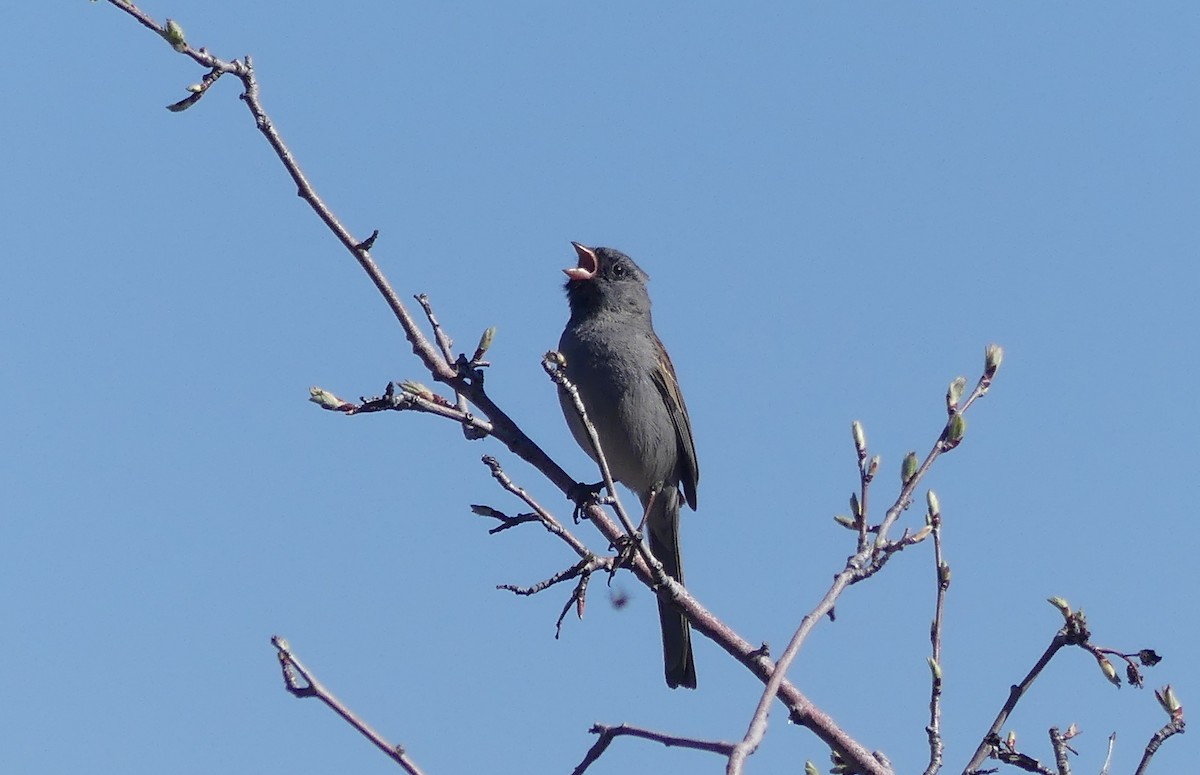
584, 495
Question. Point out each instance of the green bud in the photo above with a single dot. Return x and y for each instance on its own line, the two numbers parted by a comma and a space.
908, 469
324, 399
195, 88
992, 358
1109, 671
416, 389
922, 534
931, 499
1063, 606
844, 521
854, 507
954, 393
485, 342
955, 429
185, 103
860, 439
1169, 702
557, 358
873, 467
174, 35
934, 668
811, 769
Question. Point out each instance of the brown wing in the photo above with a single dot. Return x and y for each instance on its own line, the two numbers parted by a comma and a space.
668, 386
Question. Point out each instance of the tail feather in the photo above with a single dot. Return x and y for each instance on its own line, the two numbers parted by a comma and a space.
663, 527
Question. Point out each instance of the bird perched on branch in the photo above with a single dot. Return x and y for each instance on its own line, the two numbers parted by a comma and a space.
629, 388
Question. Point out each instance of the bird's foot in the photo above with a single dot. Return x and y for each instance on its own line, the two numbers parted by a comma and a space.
584, 495
626, 548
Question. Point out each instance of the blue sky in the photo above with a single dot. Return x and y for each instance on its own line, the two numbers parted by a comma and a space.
840, 206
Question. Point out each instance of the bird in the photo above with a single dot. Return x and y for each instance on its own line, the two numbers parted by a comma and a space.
628, 386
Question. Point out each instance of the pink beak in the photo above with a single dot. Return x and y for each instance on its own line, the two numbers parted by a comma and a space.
588, 264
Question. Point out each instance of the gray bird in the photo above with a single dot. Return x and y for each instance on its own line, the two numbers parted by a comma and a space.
632, 396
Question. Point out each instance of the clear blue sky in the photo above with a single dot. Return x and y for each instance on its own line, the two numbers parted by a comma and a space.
840, 205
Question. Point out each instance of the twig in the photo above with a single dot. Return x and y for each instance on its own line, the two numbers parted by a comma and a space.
1058, 744
506, 522
1014, 696
608, 734
545, 517
244, 71
446, 344
584, 566
559, 376
866, 562
582, 570
1173, 727
314, 688
1112, 741
942, 574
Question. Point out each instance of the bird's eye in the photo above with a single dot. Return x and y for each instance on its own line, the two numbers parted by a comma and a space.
618, 270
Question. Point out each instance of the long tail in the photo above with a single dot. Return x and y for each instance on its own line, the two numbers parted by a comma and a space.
663, 527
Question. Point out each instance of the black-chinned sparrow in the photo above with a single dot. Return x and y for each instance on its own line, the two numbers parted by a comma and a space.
632, 396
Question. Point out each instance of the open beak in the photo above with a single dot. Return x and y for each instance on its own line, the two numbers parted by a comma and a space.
588, 264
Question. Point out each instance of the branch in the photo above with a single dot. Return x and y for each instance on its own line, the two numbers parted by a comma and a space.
1014, 696
360, 249
314, 688
942, 571
466, 380
608, 734
1058, 743
1073, 633
870, 557
1171, 728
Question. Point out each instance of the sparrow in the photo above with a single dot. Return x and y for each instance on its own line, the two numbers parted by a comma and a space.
628, 386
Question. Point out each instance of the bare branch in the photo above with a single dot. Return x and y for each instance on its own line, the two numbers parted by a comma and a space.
942, 576
1173, 727
244, 70
545, 517
869, 559
608, 734
550, 364
987, 745
314, 688
1059, 745
446, 344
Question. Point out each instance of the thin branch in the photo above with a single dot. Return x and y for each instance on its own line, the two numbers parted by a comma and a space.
506, 522
1173, 727
945, 442
584, 566
1008, 755
1058, 744
314, 688
942, 575
412, 396
1014, 696
446, 344
550, 365
545, 517
1112, 741
244, 71
863, 564
608, 734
